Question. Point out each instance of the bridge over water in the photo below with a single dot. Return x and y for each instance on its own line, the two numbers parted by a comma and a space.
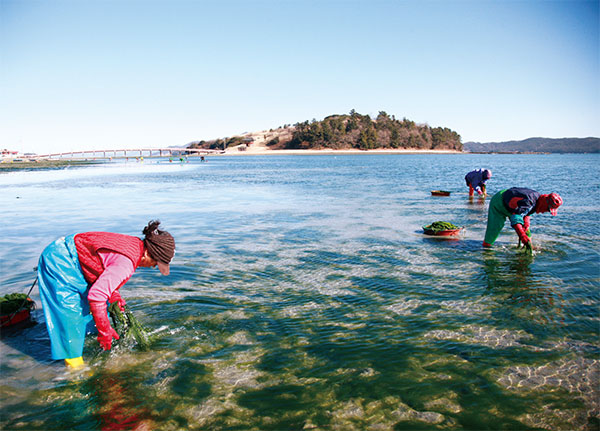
126, 153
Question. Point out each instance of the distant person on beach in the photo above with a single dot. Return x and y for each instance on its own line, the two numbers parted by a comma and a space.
80, 273
517, 204
476, 181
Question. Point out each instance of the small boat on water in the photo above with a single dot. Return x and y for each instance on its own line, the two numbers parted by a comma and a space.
440, 193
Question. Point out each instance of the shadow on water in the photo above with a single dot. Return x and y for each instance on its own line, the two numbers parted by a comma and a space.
29, 337
510, 270
525, 295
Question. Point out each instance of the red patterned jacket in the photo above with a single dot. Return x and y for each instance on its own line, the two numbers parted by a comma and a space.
88, 244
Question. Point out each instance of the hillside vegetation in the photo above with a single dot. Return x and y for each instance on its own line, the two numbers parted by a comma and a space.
351, 131
537, 145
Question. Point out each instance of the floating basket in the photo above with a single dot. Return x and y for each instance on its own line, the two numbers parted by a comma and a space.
20, 315
441, 228
449, 232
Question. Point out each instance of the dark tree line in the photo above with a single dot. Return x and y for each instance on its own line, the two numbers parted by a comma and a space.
217, 144
355, 131
361, 132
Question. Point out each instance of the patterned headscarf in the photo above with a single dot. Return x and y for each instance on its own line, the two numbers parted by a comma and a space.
160, 245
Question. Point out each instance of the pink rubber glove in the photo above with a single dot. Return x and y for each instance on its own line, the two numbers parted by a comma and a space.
526, 224
116, 296
522, 234
105, 332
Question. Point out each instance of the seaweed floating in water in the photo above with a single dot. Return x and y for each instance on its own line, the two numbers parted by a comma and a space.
127, 326
441, 225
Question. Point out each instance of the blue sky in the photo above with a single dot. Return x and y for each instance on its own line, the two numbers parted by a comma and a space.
128, 73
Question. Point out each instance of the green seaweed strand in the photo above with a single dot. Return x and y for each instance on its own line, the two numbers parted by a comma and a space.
127, 326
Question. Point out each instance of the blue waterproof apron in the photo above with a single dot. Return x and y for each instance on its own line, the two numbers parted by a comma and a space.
63, 291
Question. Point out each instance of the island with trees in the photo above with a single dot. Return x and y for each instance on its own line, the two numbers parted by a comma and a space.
351, 131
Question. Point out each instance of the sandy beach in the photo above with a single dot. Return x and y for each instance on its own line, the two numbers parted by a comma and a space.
259, 148
262, 151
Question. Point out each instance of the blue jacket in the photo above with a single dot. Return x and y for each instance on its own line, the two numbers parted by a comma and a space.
519, 202
475, 178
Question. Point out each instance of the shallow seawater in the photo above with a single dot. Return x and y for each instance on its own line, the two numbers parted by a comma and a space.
303, 295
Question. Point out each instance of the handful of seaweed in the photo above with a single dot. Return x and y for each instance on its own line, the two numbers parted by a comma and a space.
441, 225
127, 325
13, 302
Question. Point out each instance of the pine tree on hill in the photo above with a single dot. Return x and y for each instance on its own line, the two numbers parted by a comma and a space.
356, 131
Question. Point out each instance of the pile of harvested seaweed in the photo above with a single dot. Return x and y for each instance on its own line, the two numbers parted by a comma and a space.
438, 226
13, 302
128, 327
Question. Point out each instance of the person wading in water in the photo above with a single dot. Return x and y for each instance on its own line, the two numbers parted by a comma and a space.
80, 273
476, 181
517, 204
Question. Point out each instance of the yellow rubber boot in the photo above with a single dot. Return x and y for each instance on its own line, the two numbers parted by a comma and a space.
74, 363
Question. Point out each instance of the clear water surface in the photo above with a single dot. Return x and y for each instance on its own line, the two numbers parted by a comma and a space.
304, 295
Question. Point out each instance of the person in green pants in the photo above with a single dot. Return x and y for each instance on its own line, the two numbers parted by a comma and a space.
517, 204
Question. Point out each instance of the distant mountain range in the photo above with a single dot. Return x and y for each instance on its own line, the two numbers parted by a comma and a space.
537, 145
